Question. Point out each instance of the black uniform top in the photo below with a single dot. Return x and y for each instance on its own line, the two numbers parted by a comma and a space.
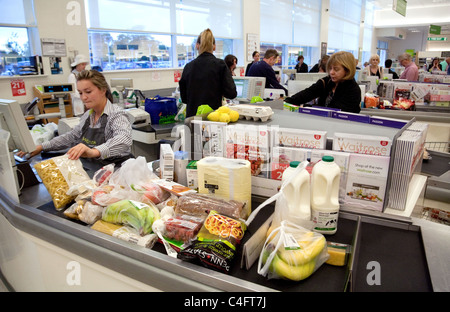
206, 80
346, 97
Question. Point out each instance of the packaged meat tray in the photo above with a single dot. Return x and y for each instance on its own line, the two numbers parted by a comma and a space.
183, 228
255, 112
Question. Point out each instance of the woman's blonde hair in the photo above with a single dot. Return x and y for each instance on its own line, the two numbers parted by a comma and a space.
375, 57
97, 80
206, 41
346, 60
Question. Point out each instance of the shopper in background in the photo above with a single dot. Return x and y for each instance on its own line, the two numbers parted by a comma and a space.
444, 65
387, 65
301, 67
374, 68
321, 66
337, 90
206, 79
255, 56
79, 64
264, 69
104, 131
448, 66
231, 62
435, 66
411, 72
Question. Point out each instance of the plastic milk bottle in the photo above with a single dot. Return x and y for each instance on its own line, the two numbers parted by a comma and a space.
325, 195
297, 191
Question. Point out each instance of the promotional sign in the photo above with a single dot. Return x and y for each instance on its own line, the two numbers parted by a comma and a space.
177, 75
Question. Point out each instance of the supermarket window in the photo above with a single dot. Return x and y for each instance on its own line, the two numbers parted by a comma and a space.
279, 47
185, 49
368, 32
300, 24
17, 23
160, 34
126, 50
344, 25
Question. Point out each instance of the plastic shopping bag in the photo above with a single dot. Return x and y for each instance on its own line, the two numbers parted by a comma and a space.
59, 174
41, 134
292, 252
162, 110
133, 180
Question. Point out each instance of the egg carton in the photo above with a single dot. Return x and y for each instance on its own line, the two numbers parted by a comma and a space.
255, 112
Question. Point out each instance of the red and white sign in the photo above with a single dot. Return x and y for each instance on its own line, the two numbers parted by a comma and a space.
18, 87
177, 75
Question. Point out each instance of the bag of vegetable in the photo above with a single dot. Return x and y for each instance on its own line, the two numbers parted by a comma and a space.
138, 215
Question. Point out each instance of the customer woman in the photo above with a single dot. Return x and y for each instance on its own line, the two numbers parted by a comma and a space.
104, 131
337, 90
231, 62
206, 79
374, 68
435, 67
255, 56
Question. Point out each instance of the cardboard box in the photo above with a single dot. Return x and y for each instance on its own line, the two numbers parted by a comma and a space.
166, 160
192, 175
265, 187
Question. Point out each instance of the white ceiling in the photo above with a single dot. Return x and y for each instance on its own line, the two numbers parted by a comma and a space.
442, 7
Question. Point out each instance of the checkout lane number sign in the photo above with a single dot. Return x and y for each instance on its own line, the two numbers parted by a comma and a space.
18, 87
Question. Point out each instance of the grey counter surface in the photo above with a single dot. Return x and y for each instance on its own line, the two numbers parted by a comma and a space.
154, 267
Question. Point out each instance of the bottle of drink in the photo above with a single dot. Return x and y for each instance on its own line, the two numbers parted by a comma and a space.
297, 192
325, 195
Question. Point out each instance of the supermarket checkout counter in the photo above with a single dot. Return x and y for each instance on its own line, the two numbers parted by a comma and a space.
43, 250
39, 243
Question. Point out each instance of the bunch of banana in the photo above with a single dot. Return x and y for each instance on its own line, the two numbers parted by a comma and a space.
297, 264
138, 215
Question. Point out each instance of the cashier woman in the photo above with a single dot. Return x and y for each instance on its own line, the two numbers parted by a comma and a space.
79, 64
104, 131
337, 90
207, 79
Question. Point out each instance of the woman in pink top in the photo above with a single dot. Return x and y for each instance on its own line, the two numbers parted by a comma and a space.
411, 72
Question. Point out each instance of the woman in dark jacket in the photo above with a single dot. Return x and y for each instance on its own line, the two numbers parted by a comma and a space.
337, 90
207, 79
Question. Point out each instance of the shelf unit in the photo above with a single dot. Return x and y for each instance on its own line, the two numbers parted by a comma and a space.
48, 104
286, 119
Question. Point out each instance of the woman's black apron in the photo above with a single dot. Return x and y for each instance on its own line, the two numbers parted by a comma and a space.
93, 137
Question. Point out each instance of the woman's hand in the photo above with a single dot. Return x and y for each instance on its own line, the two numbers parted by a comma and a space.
82, 150
32, 154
